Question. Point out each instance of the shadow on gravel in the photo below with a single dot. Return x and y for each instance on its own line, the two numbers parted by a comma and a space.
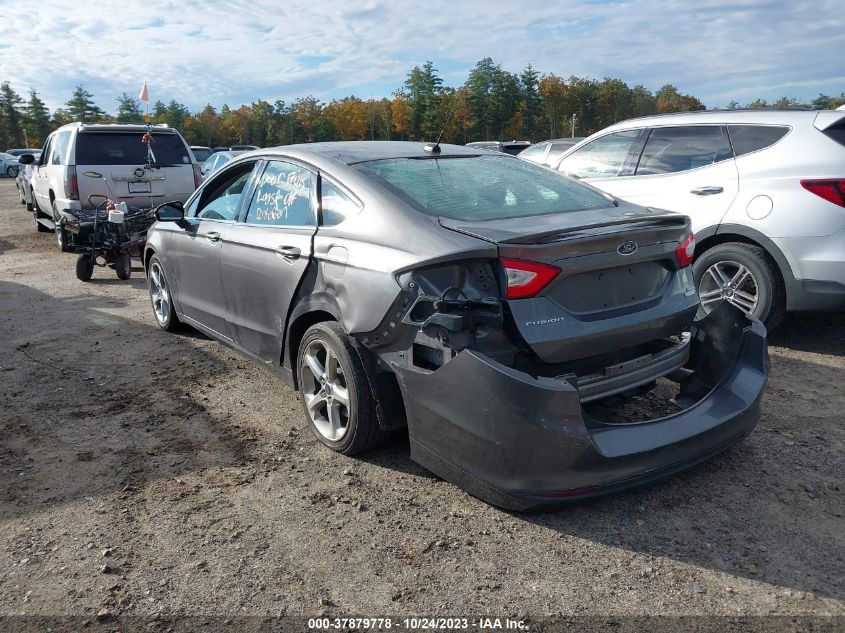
819, 332
91, 403
771, 508
6, 246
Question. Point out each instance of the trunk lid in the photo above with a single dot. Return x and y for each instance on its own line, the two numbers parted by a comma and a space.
620, 283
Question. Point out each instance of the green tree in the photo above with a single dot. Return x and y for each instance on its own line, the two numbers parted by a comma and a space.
11, 116
643, 102
129, 109
37, 120
529, 83
308, 112
670, 100
422, 90
555, 98
81, 106
494, 96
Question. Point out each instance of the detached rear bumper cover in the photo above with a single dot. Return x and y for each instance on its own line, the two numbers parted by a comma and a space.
524, 443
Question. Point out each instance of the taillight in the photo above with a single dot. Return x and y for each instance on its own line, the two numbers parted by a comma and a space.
527, 279
685, 251
72, 184
197, 176
832, 190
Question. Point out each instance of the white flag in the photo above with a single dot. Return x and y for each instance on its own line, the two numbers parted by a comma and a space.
144, 96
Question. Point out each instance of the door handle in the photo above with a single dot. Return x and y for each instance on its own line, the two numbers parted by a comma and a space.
212, 236
707, 191
289, 253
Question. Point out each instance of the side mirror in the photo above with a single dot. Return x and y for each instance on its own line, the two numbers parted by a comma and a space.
26, 159
170, 212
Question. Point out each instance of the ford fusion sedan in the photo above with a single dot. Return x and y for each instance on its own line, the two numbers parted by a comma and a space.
536, 336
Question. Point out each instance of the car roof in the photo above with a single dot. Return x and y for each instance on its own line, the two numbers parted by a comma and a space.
159, 128
351, 152
758, 115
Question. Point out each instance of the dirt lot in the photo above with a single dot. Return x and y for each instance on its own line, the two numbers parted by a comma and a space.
143, 472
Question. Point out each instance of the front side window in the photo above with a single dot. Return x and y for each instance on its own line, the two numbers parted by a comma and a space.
221, 197
283, 197
487, 187
672, 149
602, 158
336, 205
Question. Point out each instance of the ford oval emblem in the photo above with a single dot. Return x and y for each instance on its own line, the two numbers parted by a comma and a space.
627, 248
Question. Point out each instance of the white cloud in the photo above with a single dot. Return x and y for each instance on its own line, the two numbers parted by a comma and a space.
240, 50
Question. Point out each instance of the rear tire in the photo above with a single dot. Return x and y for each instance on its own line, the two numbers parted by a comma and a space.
335, 393
84, 267
38, 226
12, 172
123, 266
730, 260
61, 234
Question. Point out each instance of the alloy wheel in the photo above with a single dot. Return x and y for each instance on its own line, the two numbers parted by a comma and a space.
159, 294
728, 281
325, 391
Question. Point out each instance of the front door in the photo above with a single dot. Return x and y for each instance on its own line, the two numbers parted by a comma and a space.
265, 256
195, 247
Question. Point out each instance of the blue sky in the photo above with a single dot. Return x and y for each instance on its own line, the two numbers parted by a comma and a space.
241, 50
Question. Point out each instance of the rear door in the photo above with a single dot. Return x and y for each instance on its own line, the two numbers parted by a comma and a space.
121, 156
265, 256
195, 247
687, 169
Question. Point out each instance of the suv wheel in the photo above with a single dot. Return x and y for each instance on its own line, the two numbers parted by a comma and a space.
744, 275
335, 392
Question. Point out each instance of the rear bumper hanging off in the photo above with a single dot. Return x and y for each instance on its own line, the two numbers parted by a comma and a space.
525, 443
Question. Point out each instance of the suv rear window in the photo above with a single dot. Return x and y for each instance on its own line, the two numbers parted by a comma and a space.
482, 187
126, 148
836, 132
750, 138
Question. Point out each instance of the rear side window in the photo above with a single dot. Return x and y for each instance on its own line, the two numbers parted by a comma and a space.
60, 149
335, 204
601, 158
488, 187
750, 138
283, 197
673, 149
201, 154
126, 148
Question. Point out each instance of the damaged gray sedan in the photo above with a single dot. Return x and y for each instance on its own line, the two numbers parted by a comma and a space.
535, 335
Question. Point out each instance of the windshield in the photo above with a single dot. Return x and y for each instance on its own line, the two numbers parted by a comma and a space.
482, 187
201, 154
126, 148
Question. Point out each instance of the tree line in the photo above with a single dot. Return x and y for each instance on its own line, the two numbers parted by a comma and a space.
493, 104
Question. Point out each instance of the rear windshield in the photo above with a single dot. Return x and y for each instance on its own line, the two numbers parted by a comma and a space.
126, 148
482, 187
514, 149
201, 154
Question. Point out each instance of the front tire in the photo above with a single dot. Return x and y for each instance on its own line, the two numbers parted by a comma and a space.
84, 267
123, 266
335, 392
12, 172
744, 275
160, 297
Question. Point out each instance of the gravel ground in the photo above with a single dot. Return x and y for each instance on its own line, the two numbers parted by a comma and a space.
145, 473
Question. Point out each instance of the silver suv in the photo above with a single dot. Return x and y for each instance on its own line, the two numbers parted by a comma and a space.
765, 190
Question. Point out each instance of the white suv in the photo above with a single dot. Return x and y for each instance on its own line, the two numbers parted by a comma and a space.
765, 190
82, 159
